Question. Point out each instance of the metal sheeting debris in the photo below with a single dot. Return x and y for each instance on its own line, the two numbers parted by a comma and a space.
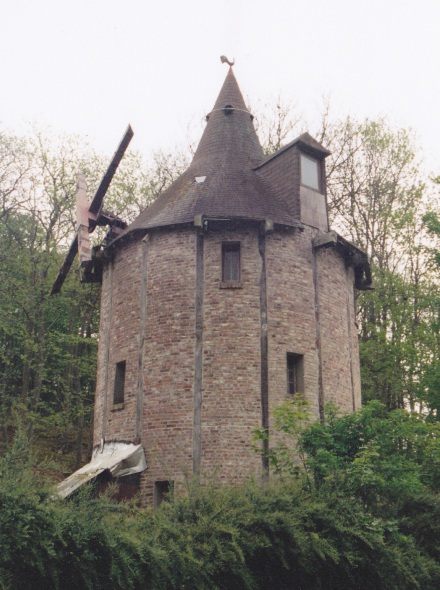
119, 458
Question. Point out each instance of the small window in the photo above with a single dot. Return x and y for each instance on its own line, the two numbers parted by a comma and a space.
118, 393
230, 262
295, 373
163, 492
309, 172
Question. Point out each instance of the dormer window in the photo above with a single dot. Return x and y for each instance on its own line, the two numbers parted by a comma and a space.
310, 172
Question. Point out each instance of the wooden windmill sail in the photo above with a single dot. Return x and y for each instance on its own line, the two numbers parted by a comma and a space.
91, 214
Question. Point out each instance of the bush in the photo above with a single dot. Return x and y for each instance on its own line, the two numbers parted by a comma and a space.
335, 521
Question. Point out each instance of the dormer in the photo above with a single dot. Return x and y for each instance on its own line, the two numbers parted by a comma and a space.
297, 173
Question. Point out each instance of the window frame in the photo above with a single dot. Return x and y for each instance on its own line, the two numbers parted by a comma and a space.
318, 172
295, 374
119, 383
231, 269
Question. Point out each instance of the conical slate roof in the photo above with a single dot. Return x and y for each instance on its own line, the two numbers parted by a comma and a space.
227, 155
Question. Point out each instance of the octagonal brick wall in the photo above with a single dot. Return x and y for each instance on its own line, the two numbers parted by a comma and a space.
148, 319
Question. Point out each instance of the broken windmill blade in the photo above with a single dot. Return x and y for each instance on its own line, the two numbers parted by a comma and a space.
89, 215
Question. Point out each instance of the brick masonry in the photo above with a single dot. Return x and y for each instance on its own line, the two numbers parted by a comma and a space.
231, 361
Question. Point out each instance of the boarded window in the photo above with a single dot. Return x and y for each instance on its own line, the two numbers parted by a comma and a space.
309, 172
230, 261
163, 492
295, 373
118, 393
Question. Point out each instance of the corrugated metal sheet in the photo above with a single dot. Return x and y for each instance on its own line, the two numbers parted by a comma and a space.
119, 458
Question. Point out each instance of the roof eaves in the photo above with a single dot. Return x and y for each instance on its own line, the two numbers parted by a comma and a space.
139, 231
293, 223
353, 256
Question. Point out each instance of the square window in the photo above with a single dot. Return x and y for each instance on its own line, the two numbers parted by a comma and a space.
309, 172
295, 373
230, 262
119, 388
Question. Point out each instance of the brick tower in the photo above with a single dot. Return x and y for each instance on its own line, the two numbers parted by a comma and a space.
224, 297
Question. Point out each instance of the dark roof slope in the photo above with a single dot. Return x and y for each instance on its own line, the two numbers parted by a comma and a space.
227, 155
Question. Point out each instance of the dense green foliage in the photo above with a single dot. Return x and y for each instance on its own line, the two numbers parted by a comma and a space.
431, 381
379, 196
382, 200
355, 506
48, 345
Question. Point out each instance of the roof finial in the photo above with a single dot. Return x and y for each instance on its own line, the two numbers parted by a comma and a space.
224, 59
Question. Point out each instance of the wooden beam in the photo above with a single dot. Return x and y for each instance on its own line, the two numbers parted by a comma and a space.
70, 257
141, 344
97, 200
325, 239
106, 345
318, 336
198, 356
264, 354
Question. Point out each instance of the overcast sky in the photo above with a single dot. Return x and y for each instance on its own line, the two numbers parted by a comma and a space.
92, 66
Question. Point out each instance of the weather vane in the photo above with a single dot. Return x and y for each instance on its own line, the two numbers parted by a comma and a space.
224, 59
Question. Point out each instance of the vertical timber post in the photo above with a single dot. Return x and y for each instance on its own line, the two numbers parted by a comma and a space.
318, 335
264, 378
350, 343
141, 344
198, 356
107, 351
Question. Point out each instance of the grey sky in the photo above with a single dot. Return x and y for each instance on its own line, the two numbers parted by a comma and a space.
92, 66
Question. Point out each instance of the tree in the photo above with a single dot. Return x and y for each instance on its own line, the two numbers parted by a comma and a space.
277, 124
377, 200
48, 365
387, 461
430, 384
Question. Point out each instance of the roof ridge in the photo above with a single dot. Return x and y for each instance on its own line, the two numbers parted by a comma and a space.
306, 140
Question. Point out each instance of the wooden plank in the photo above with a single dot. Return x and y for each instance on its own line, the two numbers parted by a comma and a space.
106, 344
325, 239
198, 356
264, 349
318, 336
141, 345
96, 203
349, 336
70, 257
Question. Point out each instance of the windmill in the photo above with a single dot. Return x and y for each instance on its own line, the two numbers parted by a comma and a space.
90, 215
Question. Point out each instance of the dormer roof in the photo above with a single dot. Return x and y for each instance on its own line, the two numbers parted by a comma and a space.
305, 143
